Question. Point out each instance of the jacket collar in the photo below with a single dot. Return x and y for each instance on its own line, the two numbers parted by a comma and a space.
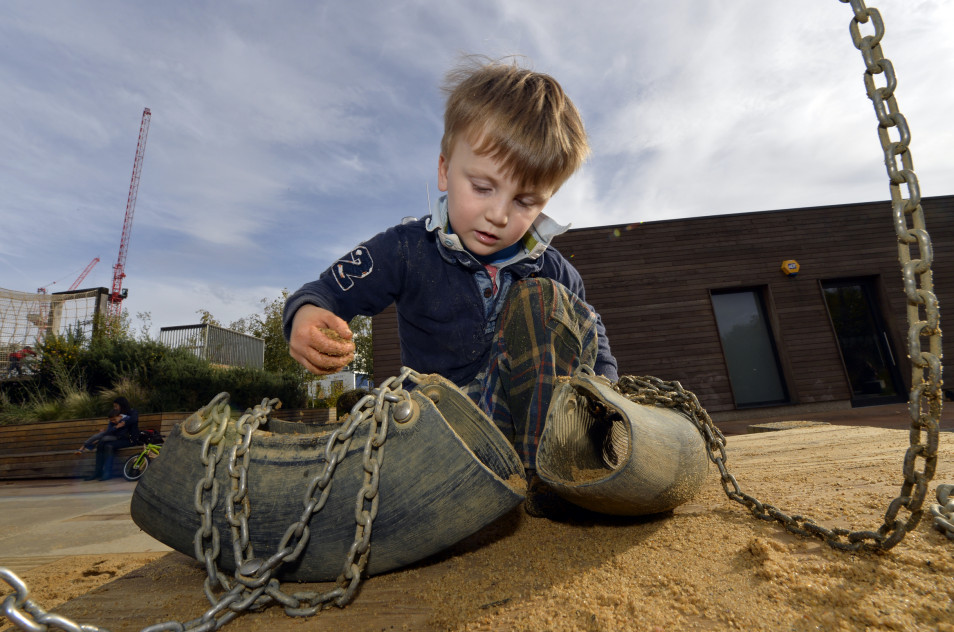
535, 241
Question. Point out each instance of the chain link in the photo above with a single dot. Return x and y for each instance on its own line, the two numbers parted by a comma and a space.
944, 511
254, 586
24, 613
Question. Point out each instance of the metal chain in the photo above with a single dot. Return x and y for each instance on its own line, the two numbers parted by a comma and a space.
206, 540
925, 399
254, 586
24, 613
653, 391
944, 512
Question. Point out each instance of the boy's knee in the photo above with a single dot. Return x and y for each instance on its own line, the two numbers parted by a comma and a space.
545, 301
533, 285
533, 294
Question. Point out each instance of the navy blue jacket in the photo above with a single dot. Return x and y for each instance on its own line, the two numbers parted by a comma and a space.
446, 322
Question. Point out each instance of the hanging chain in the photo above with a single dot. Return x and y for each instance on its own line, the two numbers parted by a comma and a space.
206, 540
254, 585
925, 399
923, 319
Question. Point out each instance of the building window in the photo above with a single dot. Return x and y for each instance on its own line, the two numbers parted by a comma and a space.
749, 348
863, 340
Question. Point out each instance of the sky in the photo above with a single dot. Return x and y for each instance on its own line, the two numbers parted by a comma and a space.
285, 133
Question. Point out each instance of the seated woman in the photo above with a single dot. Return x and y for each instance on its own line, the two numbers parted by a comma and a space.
125, 433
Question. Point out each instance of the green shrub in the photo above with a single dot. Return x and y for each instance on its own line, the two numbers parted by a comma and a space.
16, 393
15, 411
48, 410
79, 378
137, 395
248, 387
179, 386
81, 405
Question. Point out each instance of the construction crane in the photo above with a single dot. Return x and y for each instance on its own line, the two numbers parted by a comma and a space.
82, 275
79, 279
117, 294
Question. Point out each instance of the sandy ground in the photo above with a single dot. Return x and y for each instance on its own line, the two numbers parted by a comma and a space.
707, 566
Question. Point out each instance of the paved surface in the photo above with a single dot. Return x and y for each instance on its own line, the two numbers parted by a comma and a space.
42, 520
893, 416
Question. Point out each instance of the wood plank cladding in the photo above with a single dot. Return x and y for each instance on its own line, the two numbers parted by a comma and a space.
651, 283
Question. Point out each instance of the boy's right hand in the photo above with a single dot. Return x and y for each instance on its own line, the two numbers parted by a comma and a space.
316, 348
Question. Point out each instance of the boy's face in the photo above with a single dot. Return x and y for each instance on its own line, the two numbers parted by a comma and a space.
488, 210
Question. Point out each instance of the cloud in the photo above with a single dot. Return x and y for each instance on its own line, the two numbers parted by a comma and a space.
226, 304
284, 134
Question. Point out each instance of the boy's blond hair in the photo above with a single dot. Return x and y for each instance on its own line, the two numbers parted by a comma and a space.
519, 117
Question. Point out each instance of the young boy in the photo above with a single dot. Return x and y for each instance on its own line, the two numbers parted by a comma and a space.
482, 298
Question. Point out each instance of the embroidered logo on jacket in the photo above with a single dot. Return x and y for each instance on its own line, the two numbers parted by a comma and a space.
358, 266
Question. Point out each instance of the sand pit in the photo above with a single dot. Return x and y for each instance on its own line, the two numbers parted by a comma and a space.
708, 566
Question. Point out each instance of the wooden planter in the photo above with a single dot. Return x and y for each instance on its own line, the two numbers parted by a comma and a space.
46, 449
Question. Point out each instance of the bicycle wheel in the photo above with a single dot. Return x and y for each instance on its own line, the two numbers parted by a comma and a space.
135, 466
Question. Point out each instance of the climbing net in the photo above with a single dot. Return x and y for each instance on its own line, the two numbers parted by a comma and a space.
26, 319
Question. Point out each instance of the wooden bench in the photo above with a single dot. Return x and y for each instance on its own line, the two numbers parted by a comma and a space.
47, 449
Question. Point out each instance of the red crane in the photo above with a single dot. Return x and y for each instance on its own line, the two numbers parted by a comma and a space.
82, 275
117, 294
79, 279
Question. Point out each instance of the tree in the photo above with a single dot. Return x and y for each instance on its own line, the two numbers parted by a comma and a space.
206, 318
146, 319
363, 350
117, 327
268, 327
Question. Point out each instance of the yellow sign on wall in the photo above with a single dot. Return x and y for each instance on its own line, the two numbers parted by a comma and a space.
790, 267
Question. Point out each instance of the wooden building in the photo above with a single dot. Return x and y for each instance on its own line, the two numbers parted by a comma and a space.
705, 301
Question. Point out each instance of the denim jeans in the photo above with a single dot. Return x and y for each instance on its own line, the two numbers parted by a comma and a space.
106, 453
90, 443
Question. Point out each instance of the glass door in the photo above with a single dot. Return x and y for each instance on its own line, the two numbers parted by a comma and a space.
870, 362
749, 348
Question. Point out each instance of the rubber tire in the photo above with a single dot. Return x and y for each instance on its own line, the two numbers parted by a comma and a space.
130, 473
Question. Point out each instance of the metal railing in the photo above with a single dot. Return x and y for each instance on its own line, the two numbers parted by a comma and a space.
218, 345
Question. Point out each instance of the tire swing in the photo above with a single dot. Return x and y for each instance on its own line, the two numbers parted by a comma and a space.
449, 473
